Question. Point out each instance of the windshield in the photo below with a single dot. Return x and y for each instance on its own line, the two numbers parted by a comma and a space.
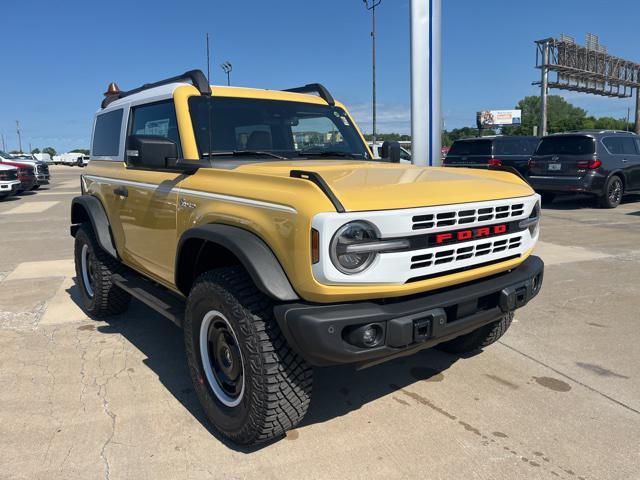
286, 129
470, 147
566, 145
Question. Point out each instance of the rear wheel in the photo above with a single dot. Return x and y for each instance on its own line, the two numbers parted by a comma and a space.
94, 268
35, 187
613, 191
480, 338
251, 385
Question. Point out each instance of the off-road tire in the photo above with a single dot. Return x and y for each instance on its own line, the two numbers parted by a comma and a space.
613, 191
480, 338
277, 382
107, 298
547, 198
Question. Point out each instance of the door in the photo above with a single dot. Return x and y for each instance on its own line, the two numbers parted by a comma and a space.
624, 155
634, 168
147, 200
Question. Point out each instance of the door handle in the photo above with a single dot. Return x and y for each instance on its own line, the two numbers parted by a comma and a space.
121, 191
624, 160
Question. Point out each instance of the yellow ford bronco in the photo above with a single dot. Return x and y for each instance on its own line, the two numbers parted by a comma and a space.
259, 221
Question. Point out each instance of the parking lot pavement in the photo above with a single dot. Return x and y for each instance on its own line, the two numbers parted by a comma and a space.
557, 397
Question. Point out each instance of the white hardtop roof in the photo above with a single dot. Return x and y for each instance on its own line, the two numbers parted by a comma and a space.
164, 92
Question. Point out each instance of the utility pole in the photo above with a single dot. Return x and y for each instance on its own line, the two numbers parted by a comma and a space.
626, 126
227, 68
19, 137
544, 88
4, 147
208, 62
371, 6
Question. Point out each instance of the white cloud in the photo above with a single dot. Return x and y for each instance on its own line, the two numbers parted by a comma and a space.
389, 118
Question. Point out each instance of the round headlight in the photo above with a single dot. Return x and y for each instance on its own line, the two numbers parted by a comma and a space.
350, 234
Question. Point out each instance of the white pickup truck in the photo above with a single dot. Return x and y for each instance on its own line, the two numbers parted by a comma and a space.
9, 182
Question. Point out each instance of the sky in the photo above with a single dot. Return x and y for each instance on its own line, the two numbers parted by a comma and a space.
57, 57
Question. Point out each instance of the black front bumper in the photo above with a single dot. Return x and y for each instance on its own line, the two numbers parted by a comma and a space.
317, 332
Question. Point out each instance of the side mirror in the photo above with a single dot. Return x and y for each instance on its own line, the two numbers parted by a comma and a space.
150, 151
390, 151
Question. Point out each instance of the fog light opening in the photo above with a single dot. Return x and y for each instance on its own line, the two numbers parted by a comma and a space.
365, 336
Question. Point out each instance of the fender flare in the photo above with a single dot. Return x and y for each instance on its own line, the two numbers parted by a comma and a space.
89, 207
254, 255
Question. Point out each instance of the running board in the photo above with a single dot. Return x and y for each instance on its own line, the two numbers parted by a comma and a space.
160, 299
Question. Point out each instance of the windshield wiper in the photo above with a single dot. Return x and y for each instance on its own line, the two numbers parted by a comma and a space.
328, 153
244, 153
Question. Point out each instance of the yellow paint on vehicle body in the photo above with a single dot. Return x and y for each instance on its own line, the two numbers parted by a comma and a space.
148, 224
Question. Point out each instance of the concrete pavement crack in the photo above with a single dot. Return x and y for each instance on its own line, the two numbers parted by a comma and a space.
594, 390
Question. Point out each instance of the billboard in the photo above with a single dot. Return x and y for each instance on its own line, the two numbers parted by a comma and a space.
497, 118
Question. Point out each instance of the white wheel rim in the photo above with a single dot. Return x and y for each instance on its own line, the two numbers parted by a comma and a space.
84, 260
226, 399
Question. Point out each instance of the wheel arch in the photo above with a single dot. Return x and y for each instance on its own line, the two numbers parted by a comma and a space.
621, 174
88, 208
211, 246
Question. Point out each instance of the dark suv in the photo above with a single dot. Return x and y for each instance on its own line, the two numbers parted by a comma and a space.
602, 163
498, 151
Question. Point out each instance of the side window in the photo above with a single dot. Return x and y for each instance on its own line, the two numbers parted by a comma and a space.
106, 134
156, 119
620, 145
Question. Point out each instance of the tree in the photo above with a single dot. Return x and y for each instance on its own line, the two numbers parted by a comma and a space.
561, 116
450, 136
35, 150
83, 151
50, 150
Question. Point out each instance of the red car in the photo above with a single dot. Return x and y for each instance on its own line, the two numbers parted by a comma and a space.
26, 175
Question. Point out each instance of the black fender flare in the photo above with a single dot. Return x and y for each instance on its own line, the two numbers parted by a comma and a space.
254, 255
88, 207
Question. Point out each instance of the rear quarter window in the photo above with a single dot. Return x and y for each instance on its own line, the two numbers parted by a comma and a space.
473, 147
106, 134
620, 145
566, 145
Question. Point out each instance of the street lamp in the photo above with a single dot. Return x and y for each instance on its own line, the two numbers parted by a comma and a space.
227, 67
371, 6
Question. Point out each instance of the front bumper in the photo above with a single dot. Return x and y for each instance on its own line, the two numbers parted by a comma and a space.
43, 179
9, 187
26, 185
317, 332
591, 182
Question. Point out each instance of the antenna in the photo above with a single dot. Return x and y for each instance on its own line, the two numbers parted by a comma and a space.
208, 62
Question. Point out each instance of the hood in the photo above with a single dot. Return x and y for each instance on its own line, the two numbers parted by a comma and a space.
17, 164
366, 185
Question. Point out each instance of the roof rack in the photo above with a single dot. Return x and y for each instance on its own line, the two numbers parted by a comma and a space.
197, 78
315, 88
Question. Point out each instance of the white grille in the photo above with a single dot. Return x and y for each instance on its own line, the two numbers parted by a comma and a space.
465, 252
411, 265
467, 216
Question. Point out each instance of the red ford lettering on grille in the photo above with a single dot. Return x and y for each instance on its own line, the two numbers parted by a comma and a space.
462, 235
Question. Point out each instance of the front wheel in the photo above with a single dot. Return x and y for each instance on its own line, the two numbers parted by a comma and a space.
251, 385
613, 191
480, 338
